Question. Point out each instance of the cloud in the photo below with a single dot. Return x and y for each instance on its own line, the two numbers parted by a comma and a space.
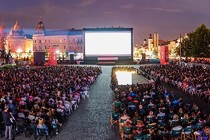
86, 3
109, 12
49, 8
163, 9
127, 6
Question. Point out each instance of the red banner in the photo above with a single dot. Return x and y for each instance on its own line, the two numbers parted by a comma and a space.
52, 57
164, 55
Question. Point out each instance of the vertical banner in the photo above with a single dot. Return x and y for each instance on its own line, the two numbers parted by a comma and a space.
164, 55
143, 57
52, 57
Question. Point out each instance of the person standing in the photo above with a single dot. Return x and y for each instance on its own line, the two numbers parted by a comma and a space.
7, 119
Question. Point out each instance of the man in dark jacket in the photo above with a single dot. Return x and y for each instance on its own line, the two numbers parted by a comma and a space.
7, 119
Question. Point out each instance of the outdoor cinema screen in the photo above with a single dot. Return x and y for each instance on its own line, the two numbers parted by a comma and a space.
108, 43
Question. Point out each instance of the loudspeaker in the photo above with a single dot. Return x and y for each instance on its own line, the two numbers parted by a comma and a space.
39, 58
143, 56
71, 58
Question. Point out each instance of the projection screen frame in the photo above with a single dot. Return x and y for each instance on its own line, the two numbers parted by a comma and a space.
100, 57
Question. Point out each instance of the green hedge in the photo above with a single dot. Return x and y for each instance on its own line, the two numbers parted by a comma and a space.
7, 66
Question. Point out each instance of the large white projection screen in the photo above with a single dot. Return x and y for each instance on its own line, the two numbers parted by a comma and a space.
109, 43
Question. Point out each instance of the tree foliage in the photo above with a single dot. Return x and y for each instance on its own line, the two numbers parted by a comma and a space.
155, 52
196, 44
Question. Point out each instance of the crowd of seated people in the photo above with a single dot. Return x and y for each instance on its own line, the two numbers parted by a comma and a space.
198, 60
192, 61
193, 80
148, 111
41, 99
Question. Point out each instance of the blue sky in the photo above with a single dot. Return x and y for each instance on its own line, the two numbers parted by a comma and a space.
167, 17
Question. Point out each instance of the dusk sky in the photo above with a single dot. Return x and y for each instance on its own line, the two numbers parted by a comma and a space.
167, 17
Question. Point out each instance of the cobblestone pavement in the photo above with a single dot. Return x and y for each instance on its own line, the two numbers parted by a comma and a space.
91, 120
138, 79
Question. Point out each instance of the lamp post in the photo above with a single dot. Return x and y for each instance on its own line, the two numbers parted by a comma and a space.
29, 54
18, 52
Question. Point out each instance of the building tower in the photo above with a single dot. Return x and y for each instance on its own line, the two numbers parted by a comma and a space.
150, 43
156, 40
156, 48
40, 28
145, 42
39, 44
15, 40
38, 37
16, 30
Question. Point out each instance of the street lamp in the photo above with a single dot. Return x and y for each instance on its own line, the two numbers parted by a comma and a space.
29, 54
180, 49
19, 51
57, 52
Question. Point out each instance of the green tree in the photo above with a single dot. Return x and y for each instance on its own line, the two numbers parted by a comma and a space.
201, 42
155, 52
196, 44
47, 53
186, 47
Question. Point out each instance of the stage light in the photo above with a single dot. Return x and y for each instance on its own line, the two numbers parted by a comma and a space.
57, 51
19, 50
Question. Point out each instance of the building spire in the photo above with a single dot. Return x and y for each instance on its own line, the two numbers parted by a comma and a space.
17, 26
150, 36
40, 28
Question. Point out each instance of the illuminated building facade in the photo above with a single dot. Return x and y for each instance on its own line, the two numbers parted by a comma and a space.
153, 46
150, 47
19, 44
2, 37
65, 42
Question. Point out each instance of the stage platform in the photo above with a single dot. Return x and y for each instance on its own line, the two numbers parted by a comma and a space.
107, 63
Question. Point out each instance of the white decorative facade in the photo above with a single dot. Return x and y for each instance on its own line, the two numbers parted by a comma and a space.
64, 41
19, 44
